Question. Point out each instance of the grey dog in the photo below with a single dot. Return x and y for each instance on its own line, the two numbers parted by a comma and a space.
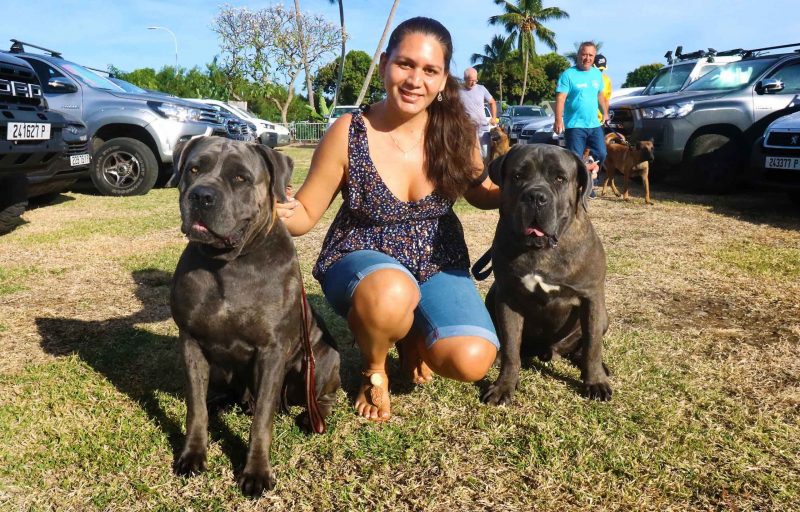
236, 298
548, 297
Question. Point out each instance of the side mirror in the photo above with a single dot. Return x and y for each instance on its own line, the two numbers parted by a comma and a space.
769, 86
59, 84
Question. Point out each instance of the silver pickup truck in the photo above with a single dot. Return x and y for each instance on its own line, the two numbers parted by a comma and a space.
131, 135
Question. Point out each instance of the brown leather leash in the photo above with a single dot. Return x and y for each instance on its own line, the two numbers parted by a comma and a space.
315, 418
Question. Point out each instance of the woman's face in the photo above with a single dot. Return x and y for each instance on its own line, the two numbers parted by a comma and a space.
414, 74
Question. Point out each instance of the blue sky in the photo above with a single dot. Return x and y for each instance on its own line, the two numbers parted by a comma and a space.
634, 32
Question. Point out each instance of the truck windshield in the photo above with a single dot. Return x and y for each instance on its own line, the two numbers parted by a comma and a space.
668, 79
527, 112
735, 75
90, 78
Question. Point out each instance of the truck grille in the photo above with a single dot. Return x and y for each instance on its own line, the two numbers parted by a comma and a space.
622, 120
19, 86
783, 139
77, 148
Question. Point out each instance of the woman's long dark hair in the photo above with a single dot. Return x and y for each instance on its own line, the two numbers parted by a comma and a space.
451, 135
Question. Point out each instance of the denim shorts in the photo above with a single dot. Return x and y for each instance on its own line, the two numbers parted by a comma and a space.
449, 303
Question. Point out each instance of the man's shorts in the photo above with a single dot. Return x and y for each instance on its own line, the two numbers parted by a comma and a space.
449, 303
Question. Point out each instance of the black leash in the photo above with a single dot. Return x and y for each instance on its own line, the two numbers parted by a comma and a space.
482, 268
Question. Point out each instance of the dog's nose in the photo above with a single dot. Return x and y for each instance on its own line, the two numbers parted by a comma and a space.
537, 197
203, 197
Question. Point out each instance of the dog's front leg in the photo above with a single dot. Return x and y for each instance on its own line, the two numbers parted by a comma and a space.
593, 371
193, 457
509, 330
270, 369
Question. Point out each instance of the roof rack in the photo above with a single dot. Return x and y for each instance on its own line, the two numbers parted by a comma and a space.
711, 53
18, 46
751, 53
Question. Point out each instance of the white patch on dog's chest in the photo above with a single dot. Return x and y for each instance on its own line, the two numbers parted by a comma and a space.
531, 281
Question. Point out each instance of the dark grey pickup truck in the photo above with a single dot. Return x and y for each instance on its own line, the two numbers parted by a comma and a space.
37, 145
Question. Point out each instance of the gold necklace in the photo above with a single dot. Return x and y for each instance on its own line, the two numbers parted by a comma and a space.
404, 151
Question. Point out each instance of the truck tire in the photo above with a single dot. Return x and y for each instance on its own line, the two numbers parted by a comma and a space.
712, 164
124, 167
13, 200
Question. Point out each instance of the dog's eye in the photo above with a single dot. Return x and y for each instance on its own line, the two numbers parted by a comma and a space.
239, 178
517, 176
194, 170
561, 179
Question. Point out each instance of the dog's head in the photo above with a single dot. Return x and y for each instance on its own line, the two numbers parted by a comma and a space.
498, 142
645, 149
543, 187
228, 191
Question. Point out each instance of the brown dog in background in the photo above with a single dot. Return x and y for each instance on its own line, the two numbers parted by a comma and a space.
498, 143
627, 160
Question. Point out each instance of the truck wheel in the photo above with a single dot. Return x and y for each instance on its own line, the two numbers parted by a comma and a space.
711, 164
13, 200
124, 167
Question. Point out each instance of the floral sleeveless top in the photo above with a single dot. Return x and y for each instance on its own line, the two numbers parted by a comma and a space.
424, 235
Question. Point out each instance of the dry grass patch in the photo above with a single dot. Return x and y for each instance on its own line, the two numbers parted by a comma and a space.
704, 302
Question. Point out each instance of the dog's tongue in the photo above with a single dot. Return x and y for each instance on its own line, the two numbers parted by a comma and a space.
199, 227
534, 232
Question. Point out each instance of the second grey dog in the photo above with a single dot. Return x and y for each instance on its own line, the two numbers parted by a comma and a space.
236, 298
548, 297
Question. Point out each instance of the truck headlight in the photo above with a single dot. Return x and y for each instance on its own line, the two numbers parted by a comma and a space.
675, 111
545, 128
176, 112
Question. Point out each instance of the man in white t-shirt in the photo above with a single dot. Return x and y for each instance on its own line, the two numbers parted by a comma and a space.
473, 96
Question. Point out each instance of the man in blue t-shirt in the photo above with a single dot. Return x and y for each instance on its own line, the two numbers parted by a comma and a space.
578, 94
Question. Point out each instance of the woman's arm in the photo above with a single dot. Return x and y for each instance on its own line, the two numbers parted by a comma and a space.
325, 178
485, 195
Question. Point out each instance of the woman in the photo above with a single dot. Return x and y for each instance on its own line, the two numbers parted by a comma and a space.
394, 261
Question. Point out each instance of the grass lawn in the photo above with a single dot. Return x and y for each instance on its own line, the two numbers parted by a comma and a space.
704, 301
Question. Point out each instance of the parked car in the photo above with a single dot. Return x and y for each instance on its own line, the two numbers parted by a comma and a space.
131, 135
36, 143
269, 134
338, 111
775, 158
516, 117
707, 130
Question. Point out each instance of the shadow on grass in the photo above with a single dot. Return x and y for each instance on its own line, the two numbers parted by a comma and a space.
137, 362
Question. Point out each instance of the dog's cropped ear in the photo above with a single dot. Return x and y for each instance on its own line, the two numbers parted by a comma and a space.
584, 181
496, 170
179, 154
280, 169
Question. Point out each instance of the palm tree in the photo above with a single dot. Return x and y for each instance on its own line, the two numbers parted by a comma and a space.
494, 58
573, 55
299, 18
523, 21
377, 53
341, 60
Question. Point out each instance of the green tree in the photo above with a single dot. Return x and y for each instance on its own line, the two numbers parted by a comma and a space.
524, 23
355, 69
642, 75
493, 61
368, 78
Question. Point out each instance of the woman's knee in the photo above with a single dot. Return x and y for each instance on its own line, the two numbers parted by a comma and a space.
386, 296
464, 358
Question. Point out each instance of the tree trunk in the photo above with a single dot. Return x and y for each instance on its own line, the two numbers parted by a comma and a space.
524, 80
309, 86
377, 53
500, 109
289, 97
341, 61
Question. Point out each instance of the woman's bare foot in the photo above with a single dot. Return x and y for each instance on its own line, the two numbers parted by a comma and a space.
412, 362
372, 401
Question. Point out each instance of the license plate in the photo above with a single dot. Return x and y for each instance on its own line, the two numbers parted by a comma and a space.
28, 131
782, 162
79, 160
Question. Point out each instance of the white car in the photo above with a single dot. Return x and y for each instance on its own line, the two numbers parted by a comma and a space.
269, 134
338, 111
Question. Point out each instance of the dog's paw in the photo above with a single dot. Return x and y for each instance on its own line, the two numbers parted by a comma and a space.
598, 390
499, 393
190, 463
254, 483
